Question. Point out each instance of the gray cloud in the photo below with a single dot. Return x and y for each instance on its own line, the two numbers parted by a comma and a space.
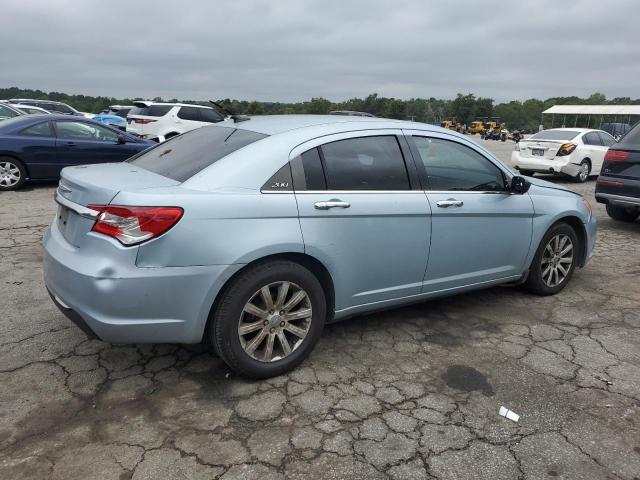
288, 50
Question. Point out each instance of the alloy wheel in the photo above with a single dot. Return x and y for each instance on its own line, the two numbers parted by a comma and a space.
9, 174
275, 321
557, 259
584, 171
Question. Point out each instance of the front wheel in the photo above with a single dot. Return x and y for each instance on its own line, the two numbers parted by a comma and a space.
623, 214
269, 319
554, 262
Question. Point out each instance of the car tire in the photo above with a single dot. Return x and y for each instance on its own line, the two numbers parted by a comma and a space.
243, 305
12, 174
542, 281
585, 170
622, 214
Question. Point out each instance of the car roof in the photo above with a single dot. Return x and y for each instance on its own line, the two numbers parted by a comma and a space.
573, 129
148, 103
275, 124
27, 100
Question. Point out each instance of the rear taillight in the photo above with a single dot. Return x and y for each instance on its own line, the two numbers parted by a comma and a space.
566, 149
143, 121
133, 225
616, 155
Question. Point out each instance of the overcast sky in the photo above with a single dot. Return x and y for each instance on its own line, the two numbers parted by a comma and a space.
291, 50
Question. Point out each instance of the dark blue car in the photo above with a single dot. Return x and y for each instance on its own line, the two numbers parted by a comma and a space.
37, 147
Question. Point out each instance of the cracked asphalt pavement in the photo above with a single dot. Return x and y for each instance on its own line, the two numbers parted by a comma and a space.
411, 393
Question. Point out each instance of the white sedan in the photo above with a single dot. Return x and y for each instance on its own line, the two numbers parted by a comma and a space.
577, 152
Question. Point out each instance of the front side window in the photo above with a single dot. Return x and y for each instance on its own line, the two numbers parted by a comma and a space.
451, 166
365, 163
42, 129
210, 116
189, 113
85, 131
606, 139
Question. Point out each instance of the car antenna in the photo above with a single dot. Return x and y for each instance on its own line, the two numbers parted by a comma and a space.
235, 117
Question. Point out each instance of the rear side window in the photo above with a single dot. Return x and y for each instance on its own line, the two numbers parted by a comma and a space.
6, 112
211, 116
189, 113
606, 139
183, 156
631, 141
39, 130
365, 163
151, 110
307, 171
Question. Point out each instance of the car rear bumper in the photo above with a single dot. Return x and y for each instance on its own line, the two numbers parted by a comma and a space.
542, 165
622, 192
127, 304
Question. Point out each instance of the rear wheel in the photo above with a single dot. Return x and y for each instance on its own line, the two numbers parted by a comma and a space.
269, 319
585, 170
623, 214
12, 173
554, 262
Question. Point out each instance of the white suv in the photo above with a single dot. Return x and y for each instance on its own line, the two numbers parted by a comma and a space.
160, 121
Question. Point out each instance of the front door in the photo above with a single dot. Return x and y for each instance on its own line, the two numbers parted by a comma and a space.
480, 231
360, 216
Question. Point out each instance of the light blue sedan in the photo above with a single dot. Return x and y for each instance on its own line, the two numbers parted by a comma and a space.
254, 235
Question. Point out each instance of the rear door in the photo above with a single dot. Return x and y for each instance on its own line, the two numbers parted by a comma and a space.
480, 231
39, 150
361, 216
188, 118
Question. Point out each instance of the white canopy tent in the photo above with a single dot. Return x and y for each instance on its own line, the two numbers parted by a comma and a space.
623, 111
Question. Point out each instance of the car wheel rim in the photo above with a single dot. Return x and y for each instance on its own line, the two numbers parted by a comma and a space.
557, 259
9, 174
275, 321
584, 171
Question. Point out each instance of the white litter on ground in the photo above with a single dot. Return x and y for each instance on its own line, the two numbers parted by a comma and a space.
505, 412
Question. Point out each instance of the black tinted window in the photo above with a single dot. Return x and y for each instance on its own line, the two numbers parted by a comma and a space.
631, 140
366, 163
307, 171
189, 113
453, 166
591, 138
39, 130
210, 115
152, 110
58, 108
183, 156
606, 139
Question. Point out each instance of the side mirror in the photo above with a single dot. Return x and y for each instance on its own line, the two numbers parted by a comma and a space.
121, 140
519, 185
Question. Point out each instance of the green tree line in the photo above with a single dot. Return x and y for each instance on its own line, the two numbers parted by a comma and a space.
523, 115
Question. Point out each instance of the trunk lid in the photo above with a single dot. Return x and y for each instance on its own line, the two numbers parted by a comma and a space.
544, 149
85, 185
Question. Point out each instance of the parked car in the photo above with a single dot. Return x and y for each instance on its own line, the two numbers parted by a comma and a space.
30, 109
119, 110
9, 111
616, 130
114, 120
37, 147
48, 105
254, 234
160, 121
618, 185
577, 152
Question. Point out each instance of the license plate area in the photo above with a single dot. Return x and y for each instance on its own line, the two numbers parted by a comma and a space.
538, 152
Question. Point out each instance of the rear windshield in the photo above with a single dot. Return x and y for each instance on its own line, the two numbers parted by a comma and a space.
151, 110
181, 157
555, 135
631, 141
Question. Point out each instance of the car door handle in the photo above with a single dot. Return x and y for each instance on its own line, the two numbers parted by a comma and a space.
333, 203
452, 202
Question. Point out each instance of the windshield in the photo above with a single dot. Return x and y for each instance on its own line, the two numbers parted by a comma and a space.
181, 157
564, 135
